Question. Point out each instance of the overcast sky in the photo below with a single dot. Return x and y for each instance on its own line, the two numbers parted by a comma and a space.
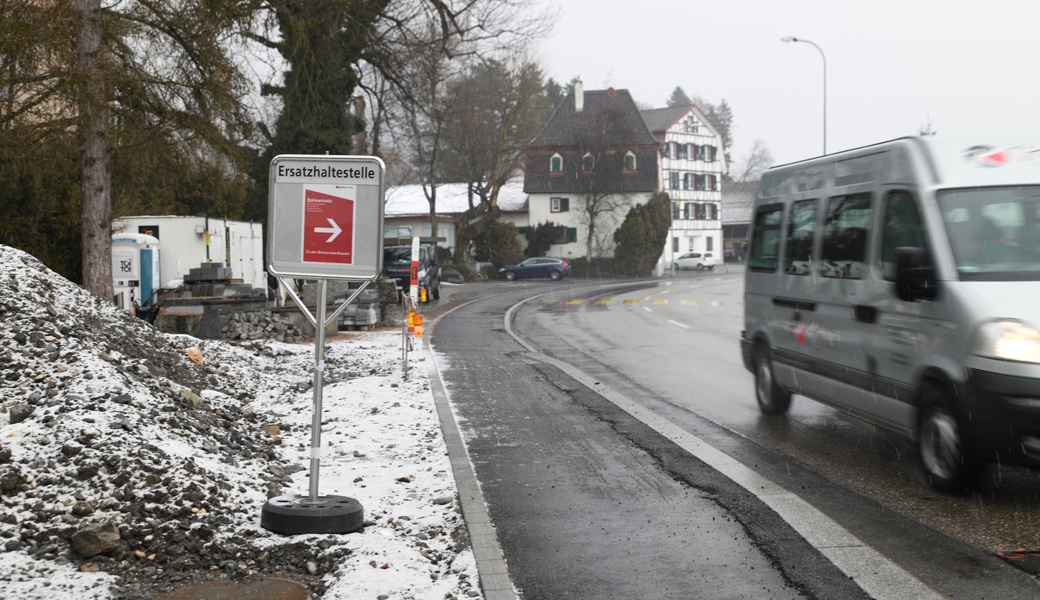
970, 68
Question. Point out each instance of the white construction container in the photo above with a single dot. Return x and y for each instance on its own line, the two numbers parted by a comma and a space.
188, 242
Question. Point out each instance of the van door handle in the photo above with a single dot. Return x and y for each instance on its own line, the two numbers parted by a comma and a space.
864, 314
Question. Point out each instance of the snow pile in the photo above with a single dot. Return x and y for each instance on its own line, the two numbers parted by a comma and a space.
134, 462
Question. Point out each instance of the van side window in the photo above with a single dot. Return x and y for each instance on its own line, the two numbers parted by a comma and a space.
845, 228
801, 231
765, 238
902, 226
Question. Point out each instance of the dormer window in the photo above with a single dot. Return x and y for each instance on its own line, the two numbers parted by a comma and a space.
587, 162
630, 162
556, 164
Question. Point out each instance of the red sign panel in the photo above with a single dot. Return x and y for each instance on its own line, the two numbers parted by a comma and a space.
328, 223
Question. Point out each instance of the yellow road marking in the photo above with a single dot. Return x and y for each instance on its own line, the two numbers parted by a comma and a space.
660, 301
689, 303
604, 301
632, 301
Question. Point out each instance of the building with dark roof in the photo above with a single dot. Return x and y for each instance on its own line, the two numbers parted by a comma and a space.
692, 164
593, 161
738, 202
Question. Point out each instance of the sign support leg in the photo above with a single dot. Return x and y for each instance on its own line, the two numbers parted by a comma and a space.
314, 513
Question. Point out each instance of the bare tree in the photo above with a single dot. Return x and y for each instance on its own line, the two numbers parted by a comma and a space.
506, 104
927, 128
412, 74
601, 198
751, 166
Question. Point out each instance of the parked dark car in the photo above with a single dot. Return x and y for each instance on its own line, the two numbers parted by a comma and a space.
538, 267
397, 264
733, 255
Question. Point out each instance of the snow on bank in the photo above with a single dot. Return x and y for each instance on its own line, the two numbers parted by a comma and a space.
103, 419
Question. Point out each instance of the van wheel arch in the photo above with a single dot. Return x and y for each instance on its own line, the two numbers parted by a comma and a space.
948, 462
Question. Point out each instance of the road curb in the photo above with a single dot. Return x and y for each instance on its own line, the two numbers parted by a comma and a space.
491, 564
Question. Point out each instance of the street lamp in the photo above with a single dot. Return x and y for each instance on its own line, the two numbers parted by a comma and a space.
794, 39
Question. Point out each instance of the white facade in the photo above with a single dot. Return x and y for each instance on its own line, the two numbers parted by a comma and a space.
187, 242
692, 164
566, 210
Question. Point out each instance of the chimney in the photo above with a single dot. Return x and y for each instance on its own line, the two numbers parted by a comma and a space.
579, 96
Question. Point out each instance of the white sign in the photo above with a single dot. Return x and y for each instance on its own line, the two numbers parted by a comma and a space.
325, 217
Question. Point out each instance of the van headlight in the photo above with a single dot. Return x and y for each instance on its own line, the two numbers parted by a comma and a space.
1007, 340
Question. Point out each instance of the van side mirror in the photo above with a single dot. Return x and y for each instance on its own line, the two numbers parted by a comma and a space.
915, 274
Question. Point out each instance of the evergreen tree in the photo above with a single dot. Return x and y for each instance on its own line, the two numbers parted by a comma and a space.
541, 237
678, 98
641, 237
721, 117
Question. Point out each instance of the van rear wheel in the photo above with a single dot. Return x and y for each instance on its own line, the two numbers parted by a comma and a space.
772, 398
945, 455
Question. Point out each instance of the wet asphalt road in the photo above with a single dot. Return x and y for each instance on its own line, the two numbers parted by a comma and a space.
590, 503
598, 524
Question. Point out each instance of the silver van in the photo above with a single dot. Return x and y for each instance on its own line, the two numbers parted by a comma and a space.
900, 284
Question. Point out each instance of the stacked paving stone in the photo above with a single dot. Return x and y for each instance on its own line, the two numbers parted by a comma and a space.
363, 312
213, 279
261, 325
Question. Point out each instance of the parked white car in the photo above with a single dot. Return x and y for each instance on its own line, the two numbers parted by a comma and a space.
695, 260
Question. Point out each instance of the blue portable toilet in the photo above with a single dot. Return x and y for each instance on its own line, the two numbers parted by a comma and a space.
135, 269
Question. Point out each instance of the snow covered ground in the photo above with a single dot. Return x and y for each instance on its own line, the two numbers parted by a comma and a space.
105, 420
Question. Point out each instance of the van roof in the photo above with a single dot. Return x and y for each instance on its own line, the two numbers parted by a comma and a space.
947, 162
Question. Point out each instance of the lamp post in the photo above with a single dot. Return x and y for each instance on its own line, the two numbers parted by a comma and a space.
824, 57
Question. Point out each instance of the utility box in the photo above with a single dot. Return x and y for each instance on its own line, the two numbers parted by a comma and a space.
136, 269
188, 242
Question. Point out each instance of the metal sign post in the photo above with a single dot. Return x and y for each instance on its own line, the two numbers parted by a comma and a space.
325, 221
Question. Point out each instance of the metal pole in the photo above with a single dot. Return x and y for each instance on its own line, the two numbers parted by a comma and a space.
319, 371
824, 57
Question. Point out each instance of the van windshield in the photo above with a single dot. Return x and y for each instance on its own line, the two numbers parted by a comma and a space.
994, 232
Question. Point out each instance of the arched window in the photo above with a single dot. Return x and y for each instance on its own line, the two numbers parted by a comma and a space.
556, 164
587, 162
630, 161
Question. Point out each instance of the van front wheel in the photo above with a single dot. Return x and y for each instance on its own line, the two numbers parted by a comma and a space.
947, 462
772, 399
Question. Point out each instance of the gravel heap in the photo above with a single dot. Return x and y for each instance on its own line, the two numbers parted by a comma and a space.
145, 456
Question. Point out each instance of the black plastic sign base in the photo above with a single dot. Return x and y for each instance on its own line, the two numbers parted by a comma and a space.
294, 515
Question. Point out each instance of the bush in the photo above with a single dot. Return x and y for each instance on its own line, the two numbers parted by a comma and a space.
499, 245
489, 271
463, 269
596, 268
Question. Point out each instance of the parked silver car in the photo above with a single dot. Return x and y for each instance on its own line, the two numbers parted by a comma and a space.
695, 260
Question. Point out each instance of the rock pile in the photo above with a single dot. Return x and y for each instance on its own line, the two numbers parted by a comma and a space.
260, 325
142, 455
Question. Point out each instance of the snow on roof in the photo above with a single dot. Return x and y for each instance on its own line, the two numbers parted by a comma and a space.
452, 198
